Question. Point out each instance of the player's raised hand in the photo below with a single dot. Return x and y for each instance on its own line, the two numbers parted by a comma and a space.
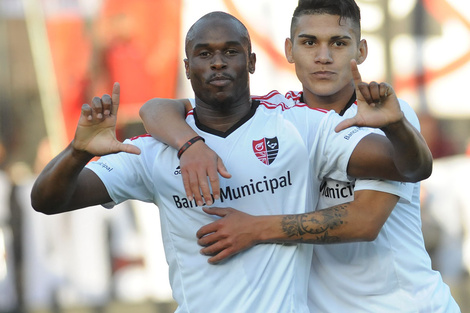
377, 104
96, 129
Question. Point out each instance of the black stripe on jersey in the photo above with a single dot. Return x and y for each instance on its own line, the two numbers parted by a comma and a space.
254, 106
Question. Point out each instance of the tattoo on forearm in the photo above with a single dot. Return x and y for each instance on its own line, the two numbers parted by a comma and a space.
313, 227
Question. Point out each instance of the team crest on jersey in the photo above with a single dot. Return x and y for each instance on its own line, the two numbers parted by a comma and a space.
266, 149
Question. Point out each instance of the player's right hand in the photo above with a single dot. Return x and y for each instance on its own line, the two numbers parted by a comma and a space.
96, 129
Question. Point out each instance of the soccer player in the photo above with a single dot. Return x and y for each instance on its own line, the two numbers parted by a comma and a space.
370, 255
267, 278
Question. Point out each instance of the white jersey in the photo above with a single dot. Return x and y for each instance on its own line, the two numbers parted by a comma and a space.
390, 274
268, 158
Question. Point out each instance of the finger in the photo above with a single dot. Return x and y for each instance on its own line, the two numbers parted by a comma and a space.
214, 248
194, 188
222, 170
97, 107
214, 183
357, 80
216, 211
385, 90
87, 112
129, 148
187, 186
208, 235
345, 124
204, 187
374, 92
365, 92
221, 256
205, 230
355, 73
115, 97
107, 104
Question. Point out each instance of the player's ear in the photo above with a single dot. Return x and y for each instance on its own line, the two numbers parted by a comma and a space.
186, 67
288, 50
362, 51
252, 63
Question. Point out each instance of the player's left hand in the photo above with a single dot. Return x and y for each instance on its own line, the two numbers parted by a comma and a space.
377, 104
225, 237
199, 168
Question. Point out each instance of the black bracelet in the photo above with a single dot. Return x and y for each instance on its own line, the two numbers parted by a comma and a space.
188, 144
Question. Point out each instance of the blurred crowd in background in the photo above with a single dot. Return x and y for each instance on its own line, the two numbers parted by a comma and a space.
56, 55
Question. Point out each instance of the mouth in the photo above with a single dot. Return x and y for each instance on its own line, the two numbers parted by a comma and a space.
323, 74
220, 80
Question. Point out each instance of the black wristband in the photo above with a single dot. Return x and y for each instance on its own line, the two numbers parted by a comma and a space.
188, 144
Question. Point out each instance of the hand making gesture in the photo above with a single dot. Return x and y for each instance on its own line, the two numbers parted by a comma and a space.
377, 104
96, 129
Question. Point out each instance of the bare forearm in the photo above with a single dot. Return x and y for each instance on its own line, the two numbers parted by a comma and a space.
359, 220
319, 227
164, 119
331, 225
55, 186
411, 156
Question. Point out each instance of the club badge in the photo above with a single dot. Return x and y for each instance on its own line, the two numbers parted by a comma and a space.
266, 149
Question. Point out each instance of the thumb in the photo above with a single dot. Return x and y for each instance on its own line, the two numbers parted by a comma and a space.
349, 122
215, 211
129, 148
115, 98
222, 170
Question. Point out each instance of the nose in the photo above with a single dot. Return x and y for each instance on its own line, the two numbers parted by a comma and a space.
323, 54
218, 61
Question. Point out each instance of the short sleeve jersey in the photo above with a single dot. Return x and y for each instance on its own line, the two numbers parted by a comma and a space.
268, 157
393, 273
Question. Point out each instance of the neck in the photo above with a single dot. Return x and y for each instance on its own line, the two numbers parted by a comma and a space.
335, 102
221, 117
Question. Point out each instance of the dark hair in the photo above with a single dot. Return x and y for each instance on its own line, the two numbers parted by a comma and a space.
343, 8
223, 16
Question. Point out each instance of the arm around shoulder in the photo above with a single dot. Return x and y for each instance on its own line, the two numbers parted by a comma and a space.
164, 119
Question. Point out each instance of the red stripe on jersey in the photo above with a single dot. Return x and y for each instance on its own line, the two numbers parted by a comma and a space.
190, 113
295, 96
139, 136
268, 95
266, 100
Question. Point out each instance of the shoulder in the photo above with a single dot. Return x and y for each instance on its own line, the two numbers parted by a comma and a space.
291, 100
140, 140
146, 143
273, 100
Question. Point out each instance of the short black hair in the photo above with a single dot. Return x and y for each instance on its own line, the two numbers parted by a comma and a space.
223, 16
342, 8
